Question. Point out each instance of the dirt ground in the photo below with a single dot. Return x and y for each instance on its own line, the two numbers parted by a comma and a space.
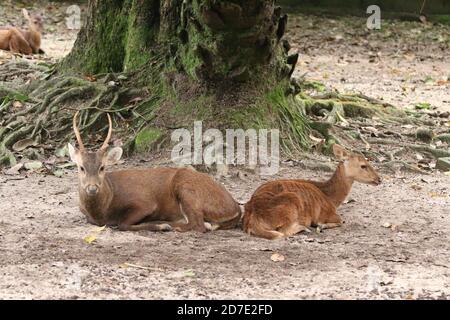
394, 243
44, 254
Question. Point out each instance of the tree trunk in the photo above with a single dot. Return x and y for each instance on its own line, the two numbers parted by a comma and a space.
156, 65
223, 62
209, 41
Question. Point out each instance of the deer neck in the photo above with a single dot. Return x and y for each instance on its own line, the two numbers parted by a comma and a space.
97, 206
337, 187
33, 36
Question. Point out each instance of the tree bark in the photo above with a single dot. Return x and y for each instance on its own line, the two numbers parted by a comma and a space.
209, 41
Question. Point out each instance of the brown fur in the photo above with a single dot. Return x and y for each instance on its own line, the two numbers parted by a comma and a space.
159, 199
12, 39
23, 41
284, 207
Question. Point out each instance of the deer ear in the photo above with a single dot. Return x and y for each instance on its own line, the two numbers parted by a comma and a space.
73, 153
114, 155
340, 153
25, 14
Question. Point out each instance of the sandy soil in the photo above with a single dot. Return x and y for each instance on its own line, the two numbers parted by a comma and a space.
43, 253
404, 63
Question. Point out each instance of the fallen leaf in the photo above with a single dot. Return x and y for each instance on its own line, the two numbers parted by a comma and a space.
189, 273
423, 106
99, 229
33, 165
23, 144
277, 257
90, 239
17, 104
58, 173
61, 152
132, 265
93, 237
386, 225
15, 170
90, 78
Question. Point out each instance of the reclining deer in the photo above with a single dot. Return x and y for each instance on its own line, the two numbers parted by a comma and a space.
23, 41
283, 208
158, 199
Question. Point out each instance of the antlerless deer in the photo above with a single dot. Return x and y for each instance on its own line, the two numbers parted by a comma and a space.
282, 208
23, 41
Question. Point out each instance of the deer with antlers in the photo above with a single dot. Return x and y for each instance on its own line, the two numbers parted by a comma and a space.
157, 199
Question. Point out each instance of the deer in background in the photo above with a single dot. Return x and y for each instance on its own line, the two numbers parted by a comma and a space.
158, 199
283, 208
23, 41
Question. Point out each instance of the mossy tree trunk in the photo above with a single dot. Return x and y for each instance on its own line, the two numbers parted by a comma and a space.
223, 62
208, 40
155, 65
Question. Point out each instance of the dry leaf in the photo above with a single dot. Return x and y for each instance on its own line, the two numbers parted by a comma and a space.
277, 257
17, 104
99, 229
131, 265
23, 144
93, 237
90, 239
14, 170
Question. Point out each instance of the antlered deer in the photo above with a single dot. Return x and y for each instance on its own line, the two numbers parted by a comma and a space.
23, 41
282, 208
159, 199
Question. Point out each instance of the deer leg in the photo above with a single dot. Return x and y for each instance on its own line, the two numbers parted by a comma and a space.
323, 226
292, 229
333, 222
194, 217
18, 44
131, 223
148, 226
191, 209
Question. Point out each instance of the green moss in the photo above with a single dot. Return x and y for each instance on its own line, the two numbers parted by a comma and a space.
314, 85
440, 18
147, 138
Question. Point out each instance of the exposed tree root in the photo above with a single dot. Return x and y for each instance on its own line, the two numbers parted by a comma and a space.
394, 165
47, 111
47, 107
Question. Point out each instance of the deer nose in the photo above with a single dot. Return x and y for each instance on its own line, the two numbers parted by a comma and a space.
92, 189
378, 180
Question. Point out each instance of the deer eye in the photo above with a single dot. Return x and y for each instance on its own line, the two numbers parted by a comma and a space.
102, 168
364, 167
82, 169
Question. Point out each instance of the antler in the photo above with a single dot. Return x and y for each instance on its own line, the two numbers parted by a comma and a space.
77, 132
108, 137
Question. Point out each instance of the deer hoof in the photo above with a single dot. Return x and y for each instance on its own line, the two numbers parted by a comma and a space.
165, 227
212, 226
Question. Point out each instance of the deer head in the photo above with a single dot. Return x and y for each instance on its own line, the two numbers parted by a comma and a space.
91, 165
35, 21
356, 166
